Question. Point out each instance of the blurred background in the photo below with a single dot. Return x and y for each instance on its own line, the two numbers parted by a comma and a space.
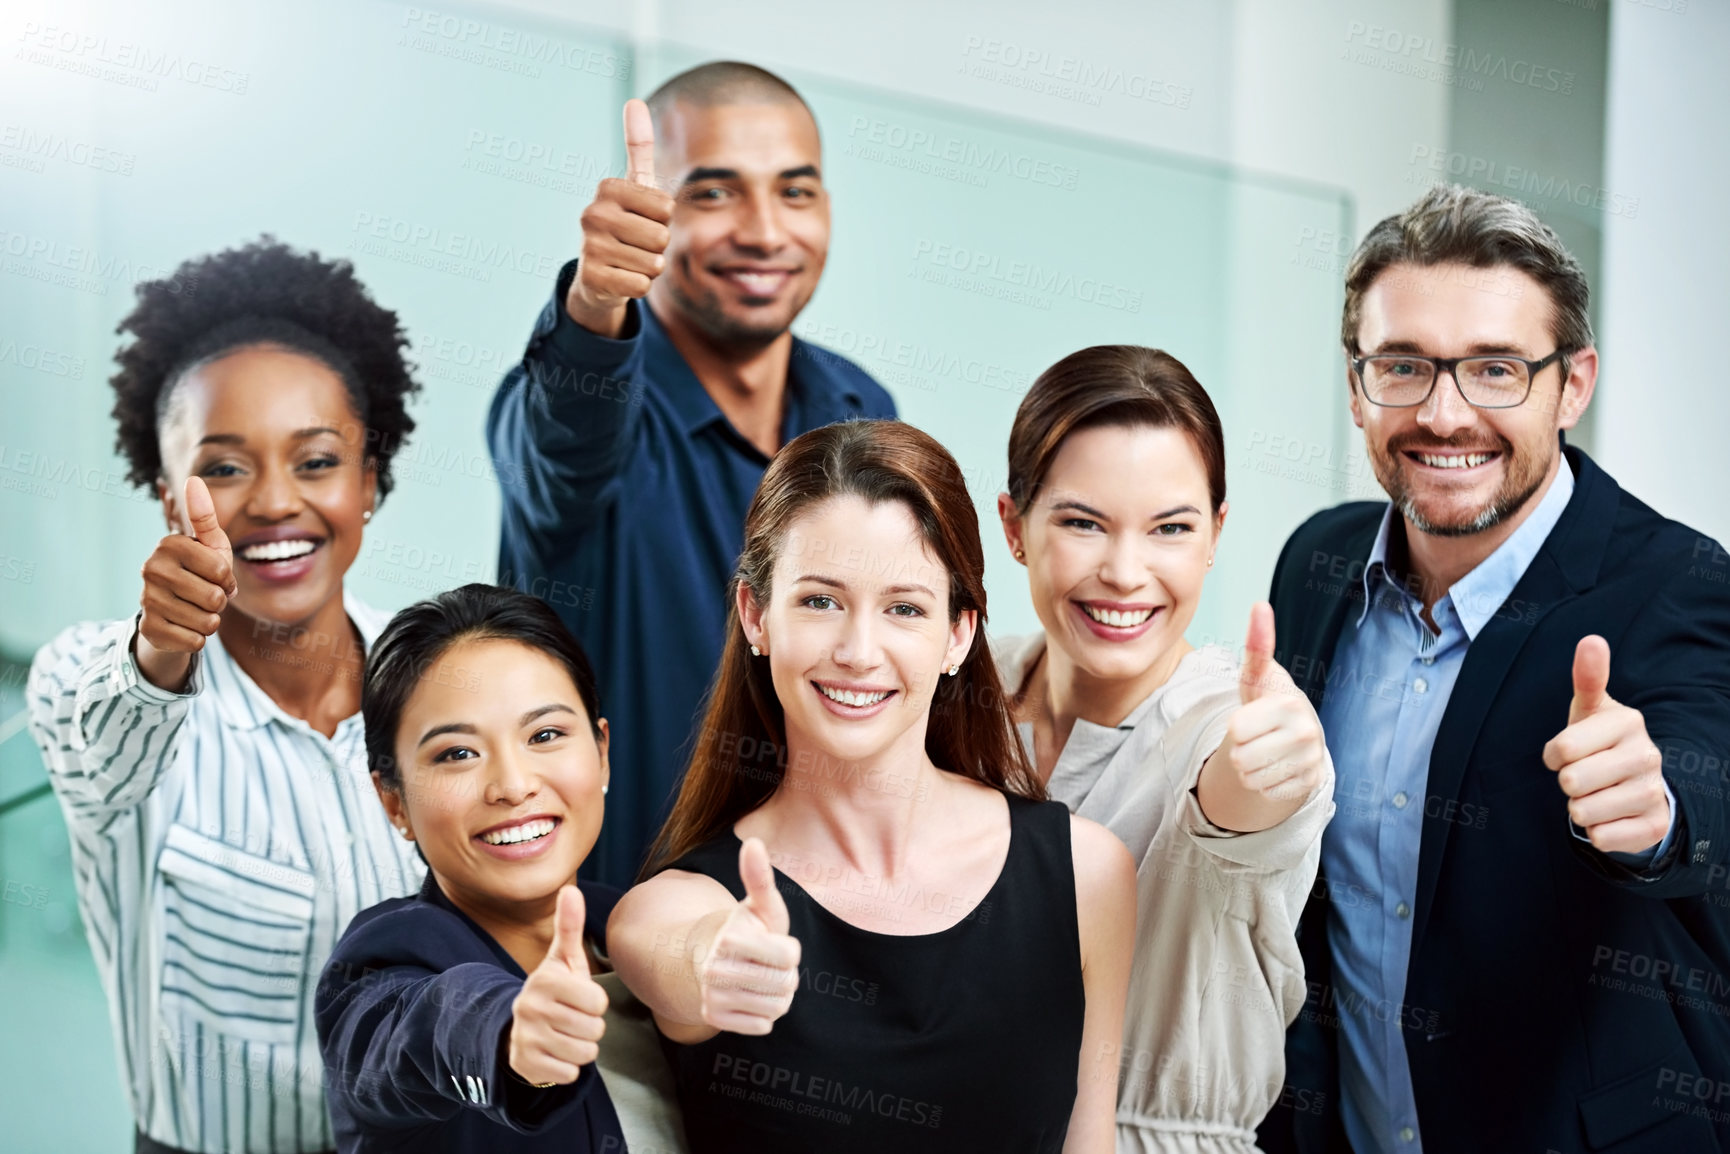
1188, 174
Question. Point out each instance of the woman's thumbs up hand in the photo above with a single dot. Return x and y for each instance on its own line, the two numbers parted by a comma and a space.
750, 969
188, 581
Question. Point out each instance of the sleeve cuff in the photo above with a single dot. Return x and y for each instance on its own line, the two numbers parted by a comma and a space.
1279, 847
572, 343
1646, 860
531, 1108
128, 679
113, 674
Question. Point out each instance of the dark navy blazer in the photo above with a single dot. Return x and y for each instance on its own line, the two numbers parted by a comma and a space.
414, 1011
1555, 1000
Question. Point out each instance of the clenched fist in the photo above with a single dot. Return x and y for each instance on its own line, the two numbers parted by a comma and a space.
188, 582
558, 1019
625, 234
1273, 754
749, 972
1607, 764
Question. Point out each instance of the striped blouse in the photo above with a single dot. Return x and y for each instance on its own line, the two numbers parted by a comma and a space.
220, 847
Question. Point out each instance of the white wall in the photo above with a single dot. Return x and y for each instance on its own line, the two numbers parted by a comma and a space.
1663, 403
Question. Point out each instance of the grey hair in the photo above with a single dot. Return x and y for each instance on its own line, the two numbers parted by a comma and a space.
1452, 224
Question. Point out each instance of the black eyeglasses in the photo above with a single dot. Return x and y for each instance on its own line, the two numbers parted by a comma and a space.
1401, 380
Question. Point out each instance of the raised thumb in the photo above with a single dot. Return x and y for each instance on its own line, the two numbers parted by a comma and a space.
201, 514
761, 896
1591, 677
639, 143
568, 920
1257, 652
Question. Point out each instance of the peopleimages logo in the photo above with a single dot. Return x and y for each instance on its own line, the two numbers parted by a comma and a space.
1066, 77
1430, 59
1020, 281
951, 157
78, 267
1485, 172
137, 65
502, 47
39, 147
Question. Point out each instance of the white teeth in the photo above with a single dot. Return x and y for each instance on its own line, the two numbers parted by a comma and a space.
278, 550
1466, 461
528, 831
849, 697
1114, 617
761, 283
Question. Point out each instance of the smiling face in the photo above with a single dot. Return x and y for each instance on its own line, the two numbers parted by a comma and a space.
501, 776
750, 227
275, 437
856, 630
1117, 543
1452, 469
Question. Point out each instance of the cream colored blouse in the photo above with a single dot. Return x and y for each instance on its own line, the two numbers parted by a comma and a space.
1217, 975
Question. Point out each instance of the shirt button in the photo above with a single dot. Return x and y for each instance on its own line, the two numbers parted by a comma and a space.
1400, 800
1429, 660
1420, 685
1403, 911
1407, 1134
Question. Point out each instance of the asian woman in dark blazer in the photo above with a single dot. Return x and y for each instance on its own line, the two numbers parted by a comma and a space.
468, 1017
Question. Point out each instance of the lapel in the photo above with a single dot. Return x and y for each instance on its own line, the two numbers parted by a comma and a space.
1324, 607
1565, 565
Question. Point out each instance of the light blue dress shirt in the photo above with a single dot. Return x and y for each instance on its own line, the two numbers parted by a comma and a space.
1388, 688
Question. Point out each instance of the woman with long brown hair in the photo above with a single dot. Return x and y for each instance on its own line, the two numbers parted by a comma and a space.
863, 927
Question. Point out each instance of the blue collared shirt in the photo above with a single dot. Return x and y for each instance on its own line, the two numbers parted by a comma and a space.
1394, 677
625, 490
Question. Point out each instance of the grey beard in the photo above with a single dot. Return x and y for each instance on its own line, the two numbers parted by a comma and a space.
1492, 514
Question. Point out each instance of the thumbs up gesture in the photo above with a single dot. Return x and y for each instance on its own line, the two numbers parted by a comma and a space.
747, 975
625, 234
1271, 758
1610, 769
558, 1019
188, 581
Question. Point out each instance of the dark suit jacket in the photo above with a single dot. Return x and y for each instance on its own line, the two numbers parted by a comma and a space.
414, 1013
1555, 1000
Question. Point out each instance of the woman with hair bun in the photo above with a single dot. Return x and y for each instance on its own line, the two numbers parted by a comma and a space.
1212, 772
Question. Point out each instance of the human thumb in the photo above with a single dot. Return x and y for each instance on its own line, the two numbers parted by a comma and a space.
761, 896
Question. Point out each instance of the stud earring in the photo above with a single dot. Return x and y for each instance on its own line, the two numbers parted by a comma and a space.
1021, 554
954, 669
366, 516
755, 652
603, 791
1210, 562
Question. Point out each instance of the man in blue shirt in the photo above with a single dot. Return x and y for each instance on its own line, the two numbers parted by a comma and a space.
658, 382
1526, 832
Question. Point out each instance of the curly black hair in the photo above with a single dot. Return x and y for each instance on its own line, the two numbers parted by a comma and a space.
261, 293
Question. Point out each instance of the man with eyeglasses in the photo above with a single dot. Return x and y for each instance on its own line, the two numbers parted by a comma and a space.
1520, 938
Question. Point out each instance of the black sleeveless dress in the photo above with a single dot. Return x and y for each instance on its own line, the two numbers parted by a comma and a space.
966, 1039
